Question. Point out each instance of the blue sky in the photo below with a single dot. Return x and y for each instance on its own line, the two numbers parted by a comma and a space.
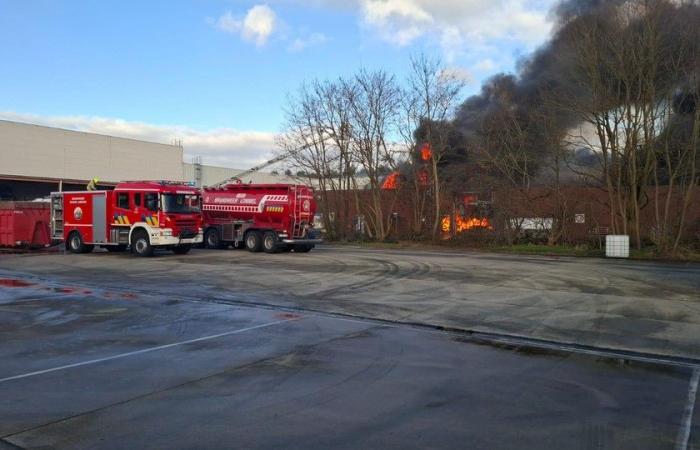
216, 74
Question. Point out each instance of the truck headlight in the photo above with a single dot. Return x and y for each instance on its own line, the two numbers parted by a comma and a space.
166, 232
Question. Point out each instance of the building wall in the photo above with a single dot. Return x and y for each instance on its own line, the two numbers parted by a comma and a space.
51, 153
593, 203
35, 160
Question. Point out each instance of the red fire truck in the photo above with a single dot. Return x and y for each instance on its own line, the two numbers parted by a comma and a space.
261, 217
141, 214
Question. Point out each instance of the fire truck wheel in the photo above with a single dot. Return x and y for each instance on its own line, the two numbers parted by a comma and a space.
140, 244
270, 242
303, 248
212, 238
181, 249
76, 244
253, 241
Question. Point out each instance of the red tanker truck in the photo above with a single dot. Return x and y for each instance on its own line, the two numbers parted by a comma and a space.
261, 217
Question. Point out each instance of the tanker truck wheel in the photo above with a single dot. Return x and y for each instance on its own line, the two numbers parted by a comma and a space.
270, 242
253, 241
77, 245
140, 244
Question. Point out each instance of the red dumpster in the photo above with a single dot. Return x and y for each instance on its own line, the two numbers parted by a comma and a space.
25, 224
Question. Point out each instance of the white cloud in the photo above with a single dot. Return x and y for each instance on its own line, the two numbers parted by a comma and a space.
303, 42
459, 27
397, 21
260, 22
458, 24
458, 73
485, 65
228, 23
256, 26
222, 146
382, 11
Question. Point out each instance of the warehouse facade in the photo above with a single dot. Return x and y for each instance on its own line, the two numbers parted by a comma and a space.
36, 160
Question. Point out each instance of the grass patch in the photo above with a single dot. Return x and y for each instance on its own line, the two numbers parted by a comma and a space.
683, 255
648, 253
540, 249
388, 244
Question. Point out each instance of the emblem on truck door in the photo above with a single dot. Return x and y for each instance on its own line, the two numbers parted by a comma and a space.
307, 205
78, 213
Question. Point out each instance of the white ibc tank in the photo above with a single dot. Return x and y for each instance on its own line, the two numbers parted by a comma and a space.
617, 246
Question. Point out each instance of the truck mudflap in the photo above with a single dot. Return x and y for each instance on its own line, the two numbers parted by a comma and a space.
302, 241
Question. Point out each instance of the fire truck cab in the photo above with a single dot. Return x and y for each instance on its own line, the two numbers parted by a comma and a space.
143, 215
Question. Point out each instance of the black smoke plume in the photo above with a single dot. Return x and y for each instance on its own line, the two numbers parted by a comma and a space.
546, 90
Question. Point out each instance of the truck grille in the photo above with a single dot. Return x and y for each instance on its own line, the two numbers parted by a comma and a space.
185, 223
185, 229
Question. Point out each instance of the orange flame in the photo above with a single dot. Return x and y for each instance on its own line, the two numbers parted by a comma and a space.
391, 181
464, 223
426, 152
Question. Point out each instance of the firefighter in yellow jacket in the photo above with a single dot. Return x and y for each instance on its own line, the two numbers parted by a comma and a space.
92, 185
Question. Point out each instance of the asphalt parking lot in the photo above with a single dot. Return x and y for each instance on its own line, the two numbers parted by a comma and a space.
195, 351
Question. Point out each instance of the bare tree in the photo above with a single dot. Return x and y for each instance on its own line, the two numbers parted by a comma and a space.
502, 146
629, 62
676, 173
317, 137
429, 100
343, 129
373, 99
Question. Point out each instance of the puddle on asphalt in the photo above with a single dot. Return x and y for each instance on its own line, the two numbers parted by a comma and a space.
18, 283
62, 290
14, 283
287, 315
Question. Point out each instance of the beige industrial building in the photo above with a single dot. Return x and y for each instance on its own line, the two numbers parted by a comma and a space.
35, 160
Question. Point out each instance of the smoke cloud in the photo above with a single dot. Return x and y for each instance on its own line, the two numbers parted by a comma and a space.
551, 75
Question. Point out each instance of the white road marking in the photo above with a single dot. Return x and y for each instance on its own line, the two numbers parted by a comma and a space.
145, 350
686, 423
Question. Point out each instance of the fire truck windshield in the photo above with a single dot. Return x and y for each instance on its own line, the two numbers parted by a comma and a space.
181, 203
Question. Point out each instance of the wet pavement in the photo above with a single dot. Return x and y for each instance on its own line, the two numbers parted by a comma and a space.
131, 364
630, 305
